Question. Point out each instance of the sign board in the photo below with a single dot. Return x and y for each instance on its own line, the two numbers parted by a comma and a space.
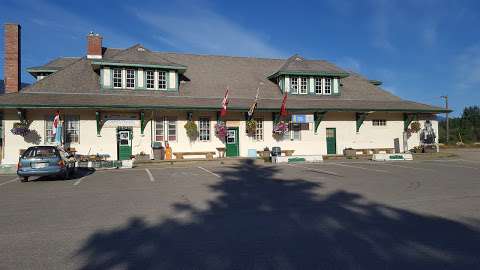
302, 118
233, 123
392, 157
113, 120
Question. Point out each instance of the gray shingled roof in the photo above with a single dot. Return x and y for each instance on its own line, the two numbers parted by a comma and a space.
55, 64
298, 64
203, 85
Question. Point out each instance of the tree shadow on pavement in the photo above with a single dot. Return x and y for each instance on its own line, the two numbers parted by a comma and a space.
261, 221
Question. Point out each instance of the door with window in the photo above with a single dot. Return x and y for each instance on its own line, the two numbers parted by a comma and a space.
233, 149
331, 141
124, 144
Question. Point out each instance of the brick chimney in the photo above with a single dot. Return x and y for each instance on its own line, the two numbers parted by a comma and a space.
94, 46
12, 59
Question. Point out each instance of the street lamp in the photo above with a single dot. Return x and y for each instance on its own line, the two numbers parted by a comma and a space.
446, 114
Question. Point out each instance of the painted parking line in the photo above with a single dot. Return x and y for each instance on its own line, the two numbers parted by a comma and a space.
150, 175
452, 165
315, 170
79, 180
210, 172
358, 167
407, 167
9, 181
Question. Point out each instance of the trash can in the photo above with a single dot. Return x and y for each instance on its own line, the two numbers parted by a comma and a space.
158, 151
276, 151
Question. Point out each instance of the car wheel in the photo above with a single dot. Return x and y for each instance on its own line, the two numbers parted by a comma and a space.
24, 179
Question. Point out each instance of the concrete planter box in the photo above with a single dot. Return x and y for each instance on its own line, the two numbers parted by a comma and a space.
297, 159
392, 157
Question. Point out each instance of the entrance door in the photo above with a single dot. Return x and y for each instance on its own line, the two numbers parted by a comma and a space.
331, 141
233, 149
124, 144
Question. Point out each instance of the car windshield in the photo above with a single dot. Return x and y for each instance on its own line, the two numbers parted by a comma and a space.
41, 152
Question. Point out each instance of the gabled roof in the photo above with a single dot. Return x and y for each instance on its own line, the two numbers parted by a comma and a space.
296, 64
138, 55
203, 85
54, 65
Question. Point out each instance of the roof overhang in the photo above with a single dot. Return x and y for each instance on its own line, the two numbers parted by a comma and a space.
309, 73
180, 69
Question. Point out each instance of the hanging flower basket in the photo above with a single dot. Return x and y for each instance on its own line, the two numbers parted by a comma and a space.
251, 126
280, 128
221, 130
20, 129
415, 127
192, 130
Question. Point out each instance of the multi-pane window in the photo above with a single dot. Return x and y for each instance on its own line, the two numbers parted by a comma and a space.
318, 86
379, 122
72, 129
162, 80
204, 129
165, 129
259, 129
117, 78
150, 79
303, 85
130, 83
294, 85
328, 86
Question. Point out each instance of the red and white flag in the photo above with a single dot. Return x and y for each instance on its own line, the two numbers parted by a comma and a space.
283, 109
56, 122
223, 112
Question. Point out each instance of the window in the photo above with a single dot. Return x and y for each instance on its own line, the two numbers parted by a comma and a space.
72, 129
296, 132
328, 86
318, 86
379, 122
49, 137
259, 130
162, 80
166, 129
294, 85
150, 79
303, 85
130, 78
204, 129
117, 78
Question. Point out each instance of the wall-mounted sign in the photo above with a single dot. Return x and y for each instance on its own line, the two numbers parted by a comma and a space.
120, 120
302, 118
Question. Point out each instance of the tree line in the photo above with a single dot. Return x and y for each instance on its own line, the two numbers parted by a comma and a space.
463, 129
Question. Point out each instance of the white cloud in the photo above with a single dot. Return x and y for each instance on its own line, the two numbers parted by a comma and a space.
381, 25
196, 29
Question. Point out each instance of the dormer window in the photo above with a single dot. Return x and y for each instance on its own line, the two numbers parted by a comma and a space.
117, 78
130, 82
303, 85
318, 86
294, 85
150, 79
162, 80
328, 86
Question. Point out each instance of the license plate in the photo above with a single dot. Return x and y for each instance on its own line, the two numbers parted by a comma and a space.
39, 165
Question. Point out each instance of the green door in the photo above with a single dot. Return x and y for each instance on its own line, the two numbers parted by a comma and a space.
233, 149
124, 144
331, 141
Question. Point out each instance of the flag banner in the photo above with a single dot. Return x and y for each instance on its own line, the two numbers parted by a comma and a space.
223, 112
254, 105
56, 123
283, 109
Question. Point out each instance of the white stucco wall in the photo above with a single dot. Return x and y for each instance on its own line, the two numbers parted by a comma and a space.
310, 143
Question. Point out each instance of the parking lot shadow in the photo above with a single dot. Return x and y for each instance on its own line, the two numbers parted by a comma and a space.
79, 173
261, 221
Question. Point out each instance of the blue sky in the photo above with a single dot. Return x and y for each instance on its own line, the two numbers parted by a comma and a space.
419, 49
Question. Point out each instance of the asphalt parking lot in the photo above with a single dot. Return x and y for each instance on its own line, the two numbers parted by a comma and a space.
333, 215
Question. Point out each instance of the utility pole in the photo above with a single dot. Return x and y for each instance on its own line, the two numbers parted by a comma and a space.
446, 114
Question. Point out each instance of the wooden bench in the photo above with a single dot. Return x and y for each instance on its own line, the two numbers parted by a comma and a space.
287, 153
180, 155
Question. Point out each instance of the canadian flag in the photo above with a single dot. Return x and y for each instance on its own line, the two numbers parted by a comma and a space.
56, 122
223, 112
